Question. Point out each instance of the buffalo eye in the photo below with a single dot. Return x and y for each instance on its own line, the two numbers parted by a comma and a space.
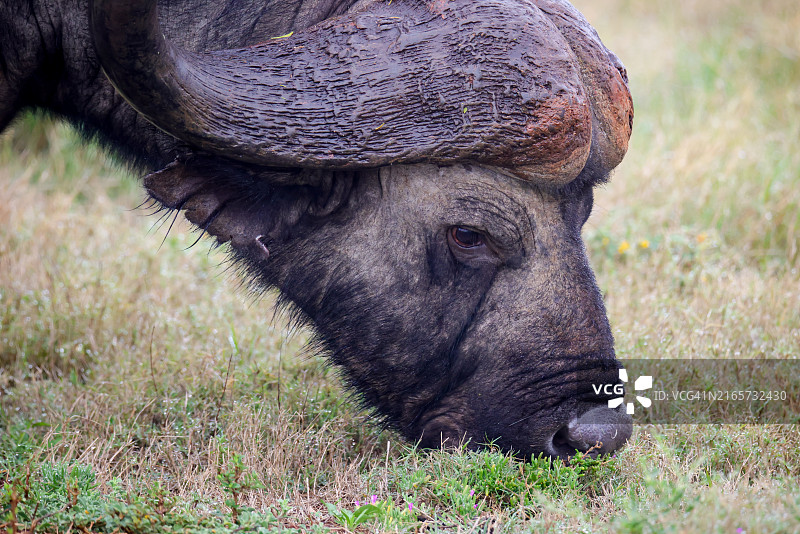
470, 247
465, 238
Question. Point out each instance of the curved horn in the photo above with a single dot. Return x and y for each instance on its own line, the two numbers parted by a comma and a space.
410, 81
605, 79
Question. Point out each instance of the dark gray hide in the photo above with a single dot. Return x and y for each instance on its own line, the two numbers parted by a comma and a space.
437, 257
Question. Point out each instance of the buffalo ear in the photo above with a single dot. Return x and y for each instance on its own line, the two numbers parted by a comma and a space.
174, 185
221, 198
248, 205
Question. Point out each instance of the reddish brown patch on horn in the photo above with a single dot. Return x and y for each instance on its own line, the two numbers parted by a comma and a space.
438, 7
560, 131
605, 79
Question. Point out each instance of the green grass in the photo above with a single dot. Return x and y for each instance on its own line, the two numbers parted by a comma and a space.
141, 391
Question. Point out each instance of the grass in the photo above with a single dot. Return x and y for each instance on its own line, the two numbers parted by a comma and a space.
141, 392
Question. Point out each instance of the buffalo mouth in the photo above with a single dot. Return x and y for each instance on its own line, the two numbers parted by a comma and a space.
597, 431
555, 412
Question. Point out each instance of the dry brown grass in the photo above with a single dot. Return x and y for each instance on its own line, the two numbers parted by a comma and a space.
120, 348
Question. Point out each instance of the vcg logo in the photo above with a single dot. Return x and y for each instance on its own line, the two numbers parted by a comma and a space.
642, 383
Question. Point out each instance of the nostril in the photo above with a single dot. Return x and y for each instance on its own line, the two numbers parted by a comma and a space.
598, 431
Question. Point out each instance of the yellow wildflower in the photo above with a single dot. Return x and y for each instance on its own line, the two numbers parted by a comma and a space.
623, 247
701, 237
644, 243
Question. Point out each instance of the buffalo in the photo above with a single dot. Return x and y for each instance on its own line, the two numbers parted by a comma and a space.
412, 176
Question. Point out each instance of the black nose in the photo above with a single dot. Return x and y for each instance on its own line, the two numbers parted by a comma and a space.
599, 431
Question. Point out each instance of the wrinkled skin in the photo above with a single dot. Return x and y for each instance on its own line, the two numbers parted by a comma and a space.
497, 342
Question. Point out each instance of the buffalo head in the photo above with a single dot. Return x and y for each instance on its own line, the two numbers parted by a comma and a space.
413, 177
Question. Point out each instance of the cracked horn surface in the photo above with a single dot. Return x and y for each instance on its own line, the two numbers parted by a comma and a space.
522, 85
